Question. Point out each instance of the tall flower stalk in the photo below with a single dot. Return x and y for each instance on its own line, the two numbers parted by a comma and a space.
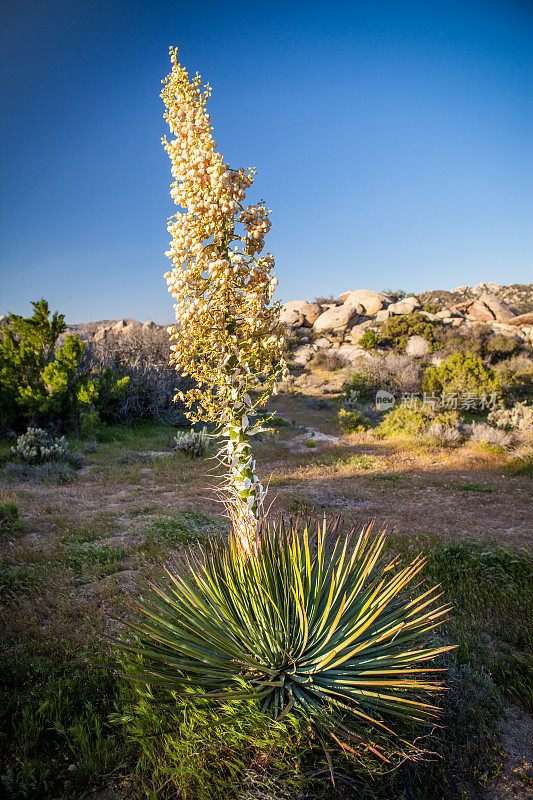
227, 335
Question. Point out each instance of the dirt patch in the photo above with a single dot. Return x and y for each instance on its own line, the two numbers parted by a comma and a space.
516, 779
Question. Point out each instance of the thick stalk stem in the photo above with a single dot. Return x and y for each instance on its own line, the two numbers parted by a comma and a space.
245, 485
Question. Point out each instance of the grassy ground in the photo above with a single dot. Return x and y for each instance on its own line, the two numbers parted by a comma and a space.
76, 547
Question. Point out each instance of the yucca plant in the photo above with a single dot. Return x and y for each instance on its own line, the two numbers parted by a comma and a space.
312, 625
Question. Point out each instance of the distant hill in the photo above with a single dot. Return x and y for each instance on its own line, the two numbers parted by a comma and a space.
517, 295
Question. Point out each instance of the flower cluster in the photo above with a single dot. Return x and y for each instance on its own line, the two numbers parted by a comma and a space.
227, 335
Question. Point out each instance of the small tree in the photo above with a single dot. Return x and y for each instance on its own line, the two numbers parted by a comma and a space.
227, 335
41, 383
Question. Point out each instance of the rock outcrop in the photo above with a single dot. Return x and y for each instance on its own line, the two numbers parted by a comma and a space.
338, 326
405, 306
338, 318
371, 301
300, 313
522, 319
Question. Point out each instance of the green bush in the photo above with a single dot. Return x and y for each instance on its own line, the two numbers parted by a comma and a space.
41, 383
459, 374
370, 340
399, 328
359, 387
450, 340
499, 347
516, 376
418, 422
396, 294
353, 421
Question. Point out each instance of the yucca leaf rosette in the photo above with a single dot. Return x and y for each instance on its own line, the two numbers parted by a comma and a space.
314, 625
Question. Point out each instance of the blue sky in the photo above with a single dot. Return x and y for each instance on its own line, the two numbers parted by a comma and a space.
393, 142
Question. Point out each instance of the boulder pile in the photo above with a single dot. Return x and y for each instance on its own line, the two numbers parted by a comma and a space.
339, 325
106, 329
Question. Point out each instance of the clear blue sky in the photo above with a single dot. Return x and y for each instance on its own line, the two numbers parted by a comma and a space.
393, 142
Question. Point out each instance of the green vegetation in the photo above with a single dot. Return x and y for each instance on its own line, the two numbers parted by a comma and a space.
370, 340
415, 422
37, 446
353, 421
399, 328
359, 387
493, 597
213, 630
184, 746
41, 383
499, 347
179, 529
459, 374
10, 522
55, 712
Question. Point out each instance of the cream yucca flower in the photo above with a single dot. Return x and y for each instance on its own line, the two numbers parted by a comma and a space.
227, 335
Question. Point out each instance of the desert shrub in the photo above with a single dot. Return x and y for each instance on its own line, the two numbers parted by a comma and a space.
444, 434
459, 374
331, 362
418, 422
41, 382
397, 294
370, 339
194, 443
399, 328
37, 446
498, 347
393, 372
52, 472
134, 378
518, 417
471, 342
487, 435
358, 387
431, 308
479, 341
521, 461
516, 376
353, 420
316, 403
90, 446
